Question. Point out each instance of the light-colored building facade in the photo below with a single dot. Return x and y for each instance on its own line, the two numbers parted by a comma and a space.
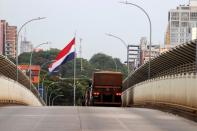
26, 46
162, 50
181, 21
8, 37
194, 33
144, 51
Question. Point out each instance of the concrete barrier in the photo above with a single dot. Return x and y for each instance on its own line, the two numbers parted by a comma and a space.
11, 92
180, 90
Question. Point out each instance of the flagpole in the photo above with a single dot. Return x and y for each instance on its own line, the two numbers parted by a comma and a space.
74, 70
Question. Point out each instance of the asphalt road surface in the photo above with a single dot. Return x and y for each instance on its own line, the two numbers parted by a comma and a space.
90, 119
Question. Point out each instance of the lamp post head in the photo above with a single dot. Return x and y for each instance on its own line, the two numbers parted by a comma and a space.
108, 34
124, 2
111, 35
46, 43
40, 18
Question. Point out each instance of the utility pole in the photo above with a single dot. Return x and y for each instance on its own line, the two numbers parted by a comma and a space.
150, 34
80, 52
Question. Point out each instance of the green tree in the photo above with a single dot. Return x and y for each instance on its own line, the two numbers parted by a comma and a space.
83, 74
102, 61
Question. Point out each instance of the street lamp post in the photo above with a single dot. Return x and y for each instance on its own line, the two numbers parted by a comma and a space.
30, 62
46, 96
46, 89
115, 64
52, 93
126, 45
150, 26
55, 98
43, 79
41, 69
39, 18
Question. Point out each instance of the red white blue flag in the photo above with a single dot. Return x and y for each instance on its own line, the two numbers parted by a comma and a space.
65, 55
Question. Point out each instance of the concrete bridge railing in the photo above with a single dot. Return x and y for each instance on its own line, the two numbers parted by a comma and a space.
172, 82
13, 91
178, 90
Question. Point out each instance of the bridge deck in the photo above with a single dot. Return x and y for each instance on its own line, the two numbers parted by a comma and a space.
90, 119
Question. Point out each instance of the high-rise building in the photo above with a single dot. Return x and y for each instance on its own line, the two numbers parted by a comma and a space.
8, 37
26, 46
181, 21
2, 36
10, 44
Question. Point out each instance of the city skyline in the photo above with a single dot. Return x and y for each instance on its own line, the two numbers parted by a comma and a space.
91, 20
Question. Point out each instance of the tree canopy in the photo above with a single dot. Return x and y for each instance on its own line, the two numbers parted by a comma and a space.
84, 70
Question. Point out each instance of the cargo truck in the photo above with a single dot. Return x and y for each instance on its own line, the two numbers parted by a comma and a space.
105, 89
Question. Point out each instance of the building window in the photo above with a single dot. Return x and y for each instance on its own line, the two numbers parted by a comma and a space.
181, 34
184, 24
173, 40
174, 30
174, 35
181, 40
193, 16
175, 24
185, 16
185, 8
174, 15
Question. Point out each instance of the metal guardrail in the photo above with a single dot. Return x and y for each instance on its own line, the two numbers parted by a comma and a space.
181, 59
185, 68
172, 84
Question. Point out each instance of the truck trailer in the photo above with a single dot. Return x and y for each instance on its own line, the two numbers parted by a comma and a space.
105, 89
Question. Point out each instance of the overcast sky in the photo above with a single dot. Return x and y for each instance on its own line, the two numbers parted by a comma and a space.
91, 19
